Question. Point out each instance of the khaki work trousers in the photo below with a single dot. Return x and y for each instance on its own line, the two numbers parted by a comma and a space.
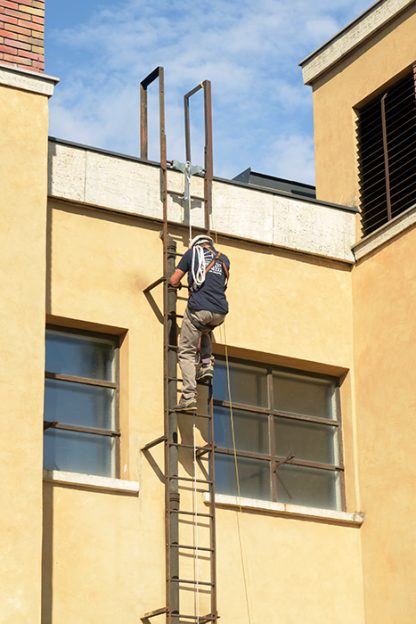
188, 346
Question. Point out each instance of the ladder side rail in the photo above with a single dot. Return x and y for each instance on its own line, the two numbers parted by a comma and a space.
143, 122
171, 450
209, 168
208, 178
213, 561
169, 338
208, 149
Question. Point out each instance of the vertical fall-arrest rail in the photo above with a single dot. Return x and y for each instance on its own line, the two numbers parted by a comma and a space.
191, 590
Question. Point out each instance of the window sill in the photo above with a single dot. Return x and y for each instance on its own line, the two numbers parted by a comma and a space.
292, 511
92, 482
386, 232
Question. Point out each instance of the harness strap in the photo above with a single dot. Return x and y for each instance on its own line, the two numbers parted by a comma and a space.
224, 266
226, 271
194, 288
213, 261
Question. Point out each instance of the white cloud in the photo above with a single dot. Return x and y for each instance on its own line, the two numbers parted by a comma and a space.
291, 156
249, 52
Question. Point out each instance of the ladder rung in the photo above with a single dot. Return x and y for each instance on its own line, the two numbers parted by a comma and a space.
178, 411
180, 616
191, 513
202, 382
186, 547
191, 582
206, 482
174, 347
201, 619
202, 449
176, 315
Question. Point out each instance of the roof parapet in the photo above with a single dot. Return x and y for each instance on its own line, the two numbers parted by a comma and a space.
350, 37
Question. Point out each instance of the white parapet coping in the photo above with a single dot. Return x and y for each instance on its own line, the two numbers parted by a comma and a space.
92, 482
296, 511
26, 80
385, 233
356, 33
114, 182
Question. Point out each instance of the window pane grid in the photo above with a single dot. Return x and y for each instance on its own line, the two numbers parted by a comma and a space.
67, 428
53, 424
80, 354
276, 459
293, 415
295, 469
85, 380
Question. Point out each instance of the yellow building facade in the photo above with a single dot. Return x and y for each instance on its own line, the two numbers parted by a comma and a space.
317, 526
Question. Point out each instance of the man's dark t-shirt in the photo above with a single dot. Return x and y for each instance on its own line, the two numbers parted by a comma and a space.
211, 295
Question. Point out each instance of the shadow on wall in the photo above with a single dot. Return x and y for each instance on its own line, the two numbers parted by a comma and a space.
47, 554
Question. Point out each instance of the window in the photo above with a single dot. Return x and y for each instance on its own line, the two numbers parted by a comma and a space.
80, 403
287, 435
386, 133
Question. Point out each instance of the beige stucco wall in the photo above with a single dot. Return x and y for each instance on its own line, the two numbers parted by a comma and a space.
294, 571
23, 179
384, 286
346, 85
383, 302
111, 546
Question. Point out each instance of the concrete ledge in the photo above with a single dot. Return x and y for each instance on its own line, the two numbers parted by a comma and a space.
91, 482
350, 37
102, 180
385, 233
27, 80
282, 509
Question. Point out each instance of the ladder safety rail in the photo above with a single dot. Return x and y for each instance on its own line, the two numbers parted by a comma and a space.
203, 454
208, 150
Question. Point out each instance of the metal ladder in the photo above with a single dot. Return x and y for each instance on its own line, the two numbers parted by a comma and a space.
183, 521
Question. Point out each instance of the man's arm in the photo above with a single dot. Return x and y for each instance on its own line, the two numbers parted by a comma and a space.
175, 278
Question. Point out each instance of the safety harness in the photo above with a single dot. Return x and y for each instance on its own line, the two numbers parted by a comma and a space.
199, 276
199, 280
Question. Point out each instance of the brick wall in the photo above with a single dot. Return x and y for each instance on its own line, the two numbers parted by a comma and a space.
22, 33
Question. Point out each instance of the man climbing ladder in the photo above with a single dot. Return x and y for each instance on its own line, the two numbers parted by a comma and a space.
208, 271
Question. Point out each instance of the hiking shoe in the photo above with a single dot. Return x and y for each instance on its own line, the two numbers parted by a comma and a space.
186, 405
204, 372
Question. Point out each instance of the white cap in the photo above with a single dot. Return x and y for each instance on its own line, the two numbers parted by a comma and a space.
200, 239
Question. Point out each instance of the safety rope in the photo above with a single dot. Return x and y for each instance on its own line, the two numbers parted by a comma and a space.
222, 327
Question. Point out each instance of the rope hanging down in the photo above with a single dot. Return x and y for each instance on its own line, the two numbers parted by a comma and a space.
237, 476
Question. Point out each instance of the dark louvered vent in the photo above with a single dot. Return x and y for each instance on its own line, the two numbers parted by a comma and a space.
386, 133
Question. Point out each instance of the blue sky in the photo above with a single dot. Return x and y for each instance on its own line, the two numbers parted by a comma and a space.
262, 112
